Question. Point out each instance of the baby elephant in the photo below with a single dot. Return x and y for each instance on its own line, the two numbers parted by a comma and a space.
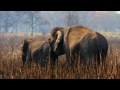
36, 51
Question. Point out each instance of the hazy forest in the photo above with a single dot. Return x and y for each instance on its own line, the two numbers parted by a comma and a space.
44, 21
15, 26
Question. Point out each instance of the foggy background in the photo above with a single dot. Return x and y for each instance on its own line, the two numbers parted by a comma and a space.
43, 21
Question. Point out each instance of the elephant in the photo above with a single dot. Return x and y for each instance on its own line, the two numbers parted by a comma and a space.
35, 51
79, 41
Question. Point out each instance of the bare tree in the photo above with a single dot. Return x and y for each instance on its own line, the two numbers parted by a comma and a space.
37, 21
34, 19
9, 19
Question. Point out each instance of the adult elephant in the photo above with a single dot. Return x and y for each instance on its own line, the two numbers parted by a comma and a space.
79, 41
35, 51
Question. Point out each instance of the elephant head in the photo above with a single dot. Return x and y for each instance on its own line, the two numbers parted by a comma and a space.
56, 39
56, 43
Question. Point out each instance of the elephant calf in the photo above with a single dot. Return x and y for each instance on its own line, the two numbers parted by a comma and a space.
35, 51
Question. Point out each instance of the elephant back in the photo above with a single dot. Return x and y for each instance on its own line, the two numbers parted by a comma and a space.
76, 34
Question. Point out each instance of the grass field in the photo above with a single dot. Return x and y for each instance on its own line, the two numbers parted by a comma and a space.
10, 61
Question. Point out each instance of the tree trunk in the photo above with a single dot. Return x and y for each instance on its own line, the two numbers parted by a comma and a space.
32, 31
6, 29
32, 26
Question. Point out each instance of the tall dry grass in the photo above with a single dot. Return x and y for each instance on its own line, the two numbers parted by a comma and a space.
11, 63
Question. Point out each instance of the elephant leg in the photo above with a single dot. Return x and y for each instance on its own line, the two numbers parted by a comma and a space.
103, 56
53, 63
23, 59
67, 58
72, 62
42, 61
82, 56
29, 59
67, 63
76, 62
77, 59
46, 63
74, 59
83, 60
97, 63
57, 61
37, 62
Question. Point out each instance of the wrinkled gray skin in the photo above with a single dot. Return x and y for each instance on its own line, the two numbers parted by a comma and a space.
79, 41
35, 51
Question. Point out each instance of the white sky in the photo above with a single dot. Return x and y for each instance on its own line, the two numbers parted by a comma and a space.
118, 12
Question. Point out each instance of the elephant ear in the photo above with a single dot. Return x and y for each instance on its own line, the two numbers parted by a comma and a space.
58, 39
59, 36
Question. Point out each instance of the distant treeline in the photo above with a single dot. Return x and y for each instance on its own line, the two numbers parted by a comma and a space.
44, 21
